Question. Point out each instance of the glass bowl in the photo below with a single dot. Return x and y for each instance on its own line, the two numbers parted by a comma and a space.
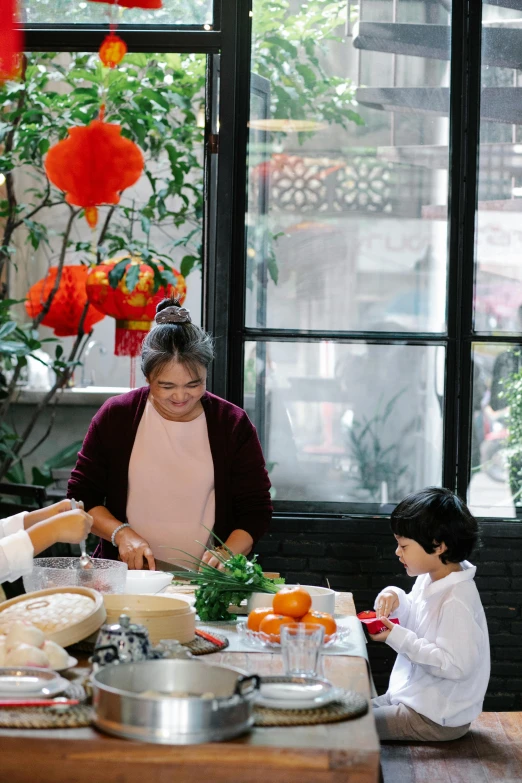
107, 576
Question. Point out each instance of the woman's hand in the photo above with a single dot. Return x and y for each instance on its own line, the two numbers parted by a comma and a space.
134, 549
387, 602
239, 542
216, 562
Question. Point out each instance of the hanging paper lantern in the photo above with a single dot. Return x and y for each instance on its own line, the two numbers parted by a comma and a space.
68, 303
113, 50
132, 3
93, 165
11, 41
134, 310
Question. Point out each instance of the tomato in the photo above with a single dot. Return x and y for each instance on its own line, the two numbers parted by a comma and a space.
272, 623
292, 601
256, 615
321, 618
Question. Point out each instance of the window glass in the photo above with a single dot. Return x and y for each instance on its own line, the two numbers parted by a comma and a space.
347, 422
173, 12
348, 166
498, 273
495, 488
159, 102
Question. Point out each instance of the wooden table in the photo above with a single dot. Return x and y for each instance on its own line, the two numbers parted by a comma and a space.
345, 752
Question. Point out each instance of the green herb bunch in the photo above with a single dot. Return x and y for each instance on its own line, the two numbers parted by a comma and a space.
218, 589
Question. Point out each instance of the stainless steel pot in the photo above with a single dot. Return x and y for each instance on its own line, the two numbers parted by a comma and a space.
123, 710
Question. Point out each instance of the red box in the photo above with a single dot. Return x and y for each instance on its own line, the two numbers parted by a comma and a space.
373, 625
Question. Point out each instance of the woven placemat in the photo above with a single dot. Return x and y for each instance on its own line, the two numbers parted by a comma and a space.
46, 717
352, 705
199, 646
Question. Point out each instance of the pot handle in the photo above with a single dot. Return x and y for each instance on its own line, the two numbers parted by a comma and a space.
247, 685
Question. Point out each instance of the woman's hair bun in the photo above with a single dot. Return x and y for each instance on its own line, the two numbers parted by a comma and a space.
169, 302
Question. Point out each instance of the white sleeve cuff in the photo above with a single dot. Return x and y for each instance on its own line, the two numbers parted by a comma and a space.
16, 556
399, 637
13, 524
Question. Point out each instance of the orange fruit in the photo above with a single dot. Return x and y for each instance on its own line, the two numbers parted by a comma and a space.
292, 601
256, 615
321, 618
272, 623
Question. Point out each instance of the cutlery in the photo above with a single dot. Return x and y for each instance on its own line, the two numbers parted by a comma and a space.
209, 637
38, 702
85, 562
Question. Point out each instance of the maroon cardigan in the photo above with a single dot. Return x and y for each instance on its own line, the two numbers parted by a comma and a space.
241, 482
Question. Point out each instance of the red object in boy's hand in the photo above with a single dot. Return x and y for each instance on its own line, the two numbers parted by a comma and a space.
374, 625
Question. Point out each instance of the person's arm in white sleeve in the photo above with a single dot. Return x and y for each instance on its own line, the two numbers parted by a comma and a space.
12, 524
26, 519
16, 556
17, 550
456, 652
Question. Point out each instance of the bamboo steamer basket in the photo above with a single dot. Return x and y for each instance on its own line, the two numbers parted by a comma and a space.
164, 617
63, 613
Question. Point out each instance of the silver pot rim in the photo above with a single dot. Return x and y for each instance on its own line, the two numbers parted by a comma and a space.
122, 692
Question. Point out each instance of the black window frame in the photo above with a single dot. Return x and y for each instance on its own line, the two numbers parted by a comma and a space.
224, 273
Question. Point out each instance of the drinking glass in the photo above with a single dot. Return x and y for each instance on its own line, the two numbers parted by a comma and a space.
300, 646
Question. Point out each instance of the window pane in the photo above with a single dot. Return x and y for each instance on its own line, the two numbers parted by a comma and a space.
159, 102
498, 289
495, 489
348, 166
175, 12
347, 422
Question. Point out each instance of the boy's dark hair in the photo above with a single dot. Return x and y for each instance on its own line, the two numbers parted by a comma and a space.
434, 516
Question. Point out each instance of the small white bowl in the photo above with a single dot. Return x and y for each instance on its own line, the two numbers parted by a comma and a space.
147, 582
323, 599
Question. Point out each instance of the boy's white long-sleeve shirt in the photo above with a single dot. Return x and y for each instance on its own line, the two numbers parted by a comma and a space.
16, 548
443, 663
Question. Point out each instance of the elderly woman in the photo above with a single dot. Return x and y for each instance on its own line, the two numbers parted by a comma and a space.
162, 465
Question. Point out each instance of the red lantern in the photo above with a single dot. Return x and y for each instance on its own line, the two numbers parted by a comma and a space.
113, 50
134, 310
68, 303
11, 41
93, 165
132, 3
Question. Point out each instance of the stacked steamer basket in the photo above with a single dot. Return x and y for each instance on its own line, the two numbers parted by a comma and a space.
163, 616
65, 614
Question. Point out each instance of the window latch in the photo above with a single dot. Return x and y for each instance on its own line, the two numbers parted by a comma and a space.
213, 143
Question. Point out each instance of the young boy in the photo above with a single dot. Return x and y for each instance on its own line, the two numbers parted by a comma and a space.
441, 674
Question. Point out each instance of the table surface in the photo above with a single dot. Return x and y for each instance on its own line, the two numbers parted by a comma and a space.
347, 751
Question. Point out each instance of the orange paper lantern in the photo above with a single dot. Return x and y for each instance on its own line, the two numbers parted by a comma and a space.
93, 165
134, 310
113, 50
11, 40
132, 3
68, 303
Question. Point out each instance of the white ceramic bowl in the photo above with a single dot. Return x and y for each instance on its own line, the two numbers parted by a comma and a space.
146, 582
323, 599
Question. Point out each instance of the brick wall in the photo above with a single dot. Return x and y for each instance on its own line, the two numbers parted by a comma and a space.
357, 555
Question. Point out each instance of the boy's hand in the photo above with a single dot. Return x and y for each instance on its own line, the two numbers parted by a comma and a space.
387, 602
381, 637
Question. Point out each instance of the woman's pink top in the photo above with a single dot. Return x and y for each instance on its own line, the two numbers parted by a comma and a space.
171, 486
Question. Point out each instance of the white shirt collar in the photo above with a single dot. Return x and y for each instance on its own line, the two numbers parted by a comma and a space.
467, 573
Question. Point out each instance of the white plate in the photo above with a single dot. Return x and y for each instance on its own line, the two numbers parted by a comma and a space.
71, 662
262, 640
297, 693
20, 682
